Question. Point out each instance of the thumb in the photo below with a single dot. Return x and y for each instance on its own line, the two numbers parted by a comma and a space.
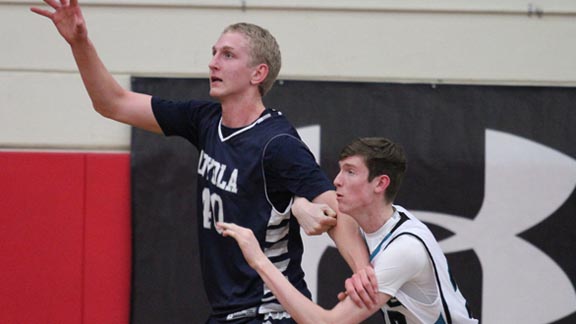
329, 211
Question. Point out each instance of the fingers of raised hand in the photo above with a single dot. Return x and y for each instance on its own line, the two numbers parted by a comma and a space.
54, 4
42, 12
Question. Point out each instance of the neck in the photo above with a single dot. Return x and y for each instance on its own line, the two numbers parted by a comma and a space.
239, 112
376, 218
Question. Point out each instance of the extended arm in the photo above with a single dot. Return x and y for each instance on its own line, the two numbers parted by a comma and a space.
301, 308
108, 97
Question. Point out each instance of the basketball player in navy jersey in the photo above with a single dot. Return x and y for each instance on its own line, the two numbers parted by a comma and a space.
414, 283
253, 168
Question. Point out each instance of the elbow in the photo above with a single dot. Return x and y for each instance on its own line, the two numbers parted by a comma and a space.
110, 104
107, 108
102, 110
107, 111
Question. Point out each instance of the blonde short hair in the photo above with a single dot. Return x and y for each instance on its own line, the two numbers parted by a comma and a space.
263, 49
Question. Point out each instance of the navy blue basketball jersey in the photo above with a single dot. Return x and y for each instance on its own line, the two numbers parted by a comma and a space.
246, 176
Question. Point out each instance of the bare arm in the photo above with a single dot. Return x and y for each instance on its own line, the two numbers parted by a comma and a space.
300, 308
363, 287
320, 216
108, 98
345, 234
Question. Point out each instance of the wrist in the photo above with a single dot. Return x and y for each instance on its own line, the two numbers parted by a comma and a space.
80, 42
261, 263
297, 206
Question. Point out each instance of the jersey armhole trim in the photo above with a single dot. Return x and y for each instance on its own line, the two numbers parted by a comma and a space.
264, 171
444, 303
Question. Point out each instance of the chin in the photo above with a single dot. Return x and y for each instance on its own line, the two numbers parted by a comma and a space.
343, 209
213, 93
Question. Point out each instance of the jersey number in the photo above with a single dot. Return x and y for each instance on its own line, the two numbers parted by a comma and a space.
212, 206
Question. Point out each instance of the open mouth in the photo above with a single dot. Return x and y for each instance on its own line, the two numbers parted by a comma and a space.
215, 79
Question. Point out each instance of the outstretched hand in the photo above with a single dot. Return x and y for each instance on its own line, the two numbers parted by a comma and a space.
246, 241
67, 17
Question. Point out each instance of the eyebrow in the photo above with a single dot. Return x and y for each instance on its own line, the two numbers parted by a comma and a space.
348, 165
224, 48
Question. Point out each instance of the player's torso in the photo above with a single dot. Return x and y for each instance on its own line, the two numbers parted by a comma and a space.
231, 188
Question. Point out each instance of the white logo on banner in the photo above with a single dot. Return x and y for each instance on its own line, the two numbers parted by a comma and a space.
526, 182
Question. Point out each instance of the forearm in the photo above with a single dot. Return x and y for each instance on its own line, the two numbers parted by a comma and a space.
101, 86
346, 234
302, 309
349, 242
108, 97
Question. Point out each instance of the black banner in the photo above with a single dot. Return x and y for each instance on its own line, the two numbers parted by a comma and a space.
491, 169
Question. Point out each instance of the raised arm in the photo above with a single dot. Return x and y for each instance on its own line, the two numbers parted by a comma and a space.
108, 98
302, 309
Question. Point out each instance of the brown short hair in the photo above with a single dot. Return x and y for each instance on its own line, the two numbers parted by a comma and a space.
382, 156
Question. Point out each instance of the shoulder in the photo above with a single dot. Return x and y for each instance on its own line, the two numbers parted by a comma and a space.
184, 117
403, 260
286, 147
164, 106
286, 140
407, 251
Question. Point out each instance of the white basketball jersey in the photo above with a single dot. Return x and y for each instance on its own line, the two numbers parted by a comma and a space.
450, 307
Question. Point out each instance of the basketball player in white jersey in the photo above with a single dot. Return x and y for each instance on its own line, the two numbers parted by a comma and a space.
414, 282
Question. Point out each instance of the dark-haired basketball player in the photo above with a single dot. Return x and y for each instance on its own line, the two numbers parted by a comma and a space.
414, 282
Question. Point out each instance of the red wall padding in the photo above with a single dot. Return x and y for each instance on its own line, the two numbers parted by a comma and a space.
65, 238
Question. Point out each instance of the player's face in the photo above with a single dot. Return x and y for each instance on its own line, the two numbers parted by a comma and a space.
353, 190
230, 70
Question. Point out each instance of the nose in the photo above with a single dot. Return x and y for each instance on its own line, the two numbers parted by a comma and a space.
212, 65
337, 180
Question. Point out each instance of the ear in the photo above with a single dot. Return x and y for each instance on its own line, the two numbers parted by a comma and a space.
381, 183
259, 74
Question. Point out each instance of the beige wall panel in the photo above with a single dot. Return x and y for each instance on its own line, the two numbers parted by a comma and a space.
52, 111
323, 44
44, 104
